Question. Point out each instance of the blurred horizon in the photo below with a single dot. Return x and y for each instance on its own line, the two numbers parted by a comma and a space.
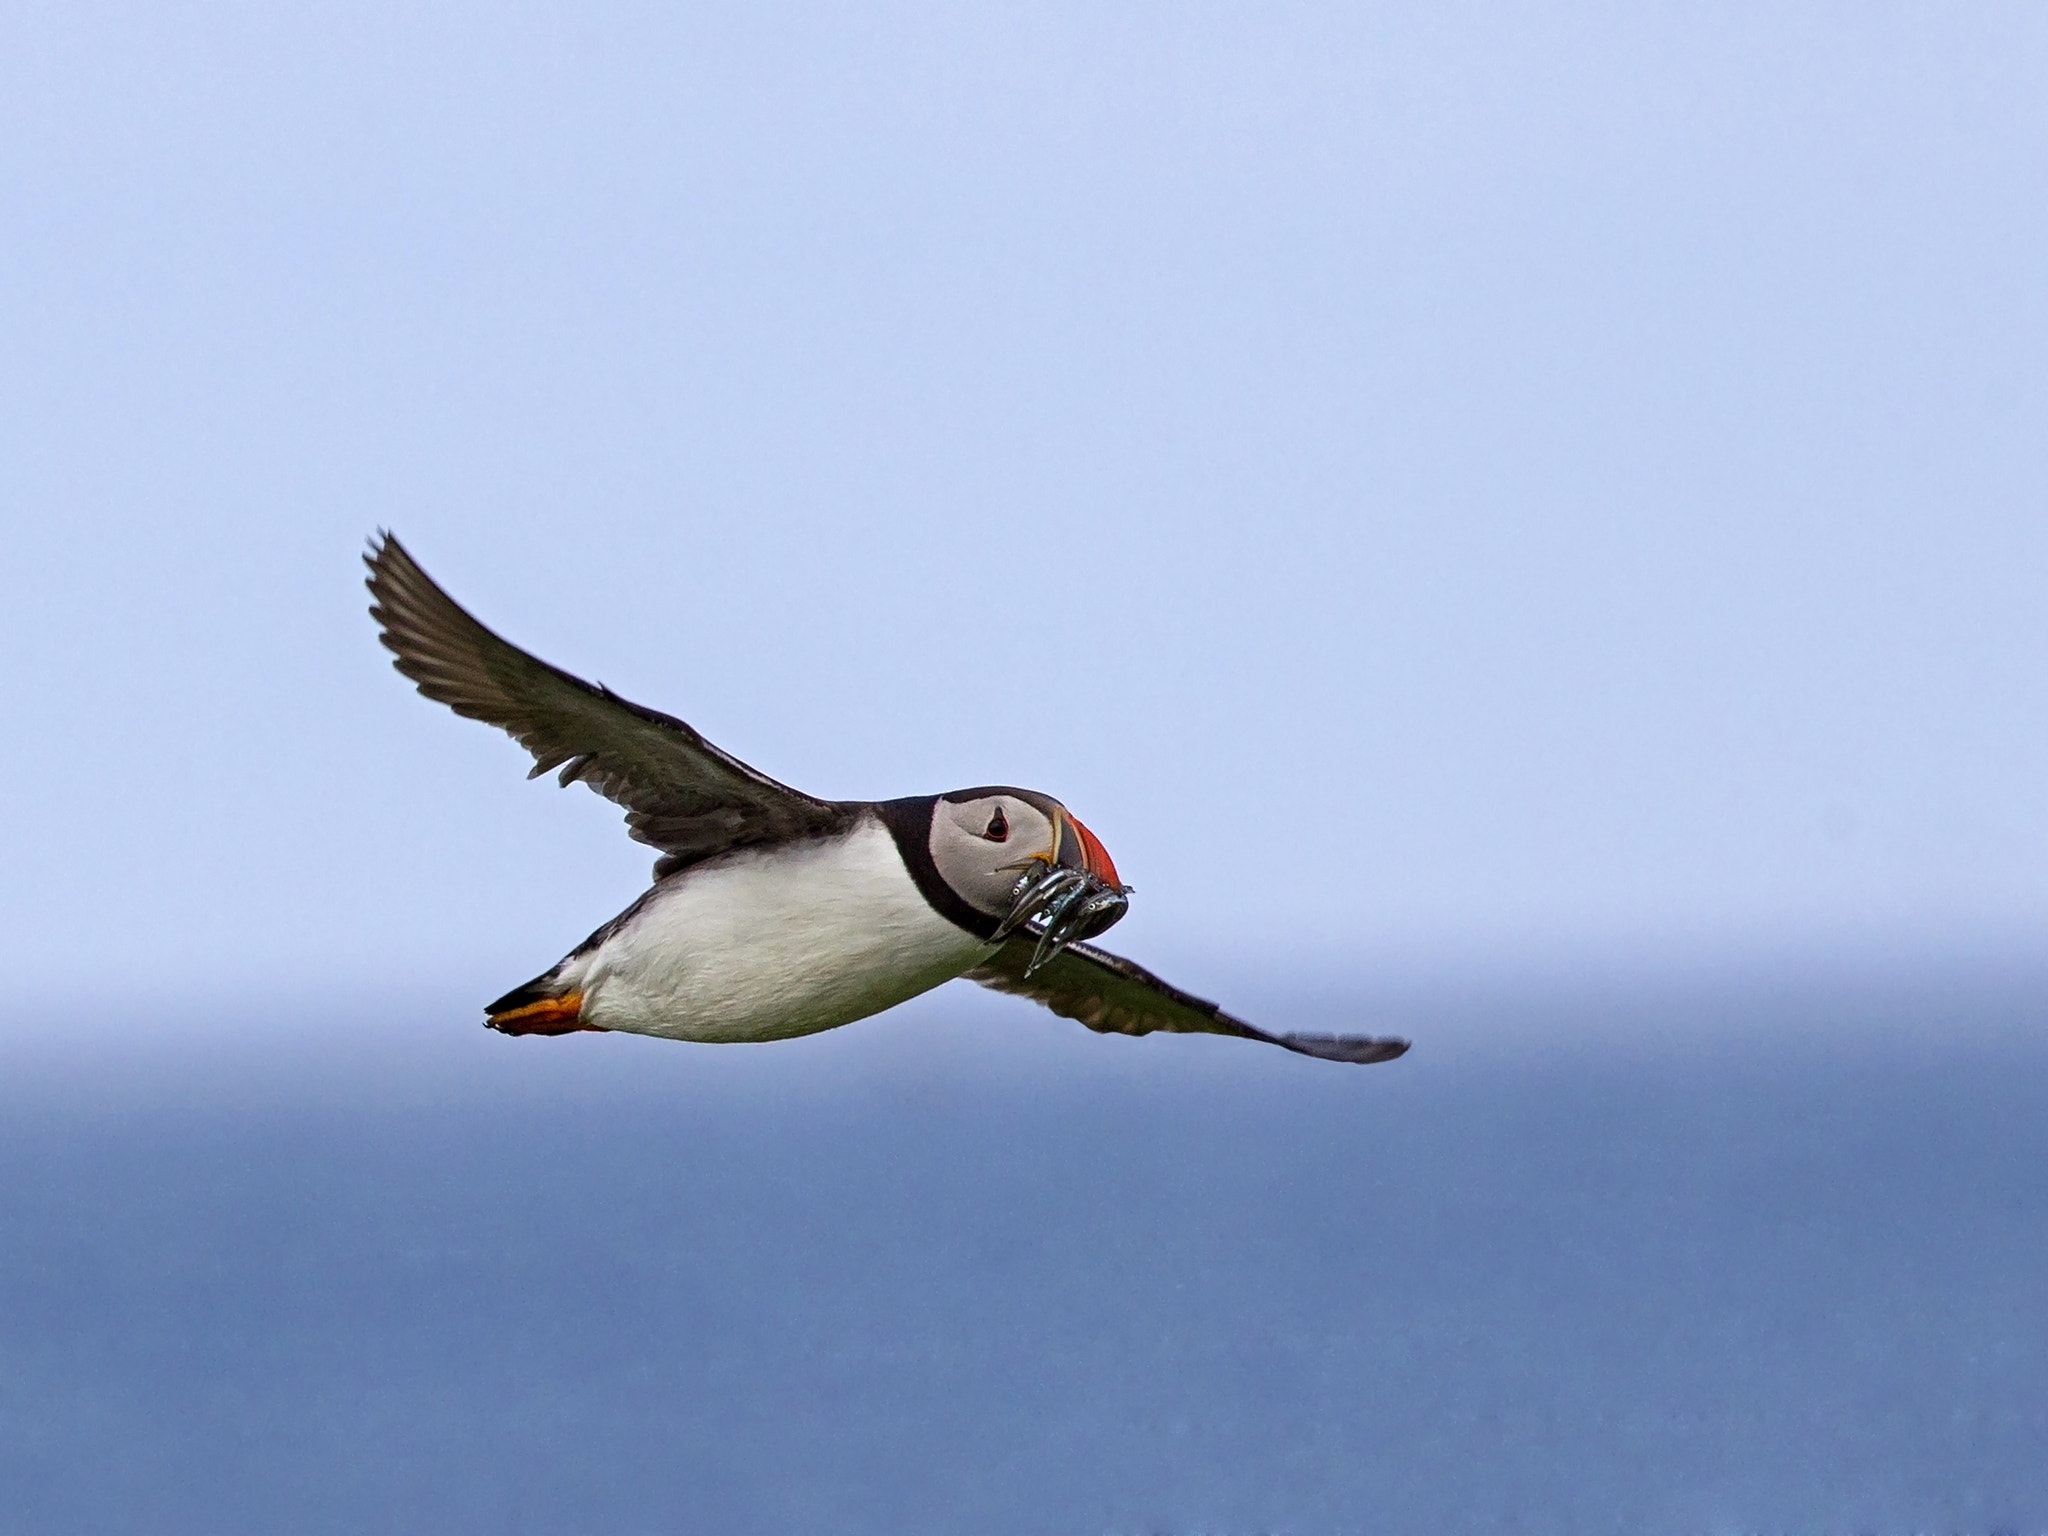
1795, 1003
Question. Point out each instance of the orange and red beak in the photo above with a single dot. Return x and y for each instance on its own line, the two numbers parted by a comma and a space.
1081, 849
1074, 893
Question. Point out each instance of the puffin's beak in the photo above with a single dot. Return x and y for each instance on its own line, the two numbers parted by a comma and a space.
1078, 848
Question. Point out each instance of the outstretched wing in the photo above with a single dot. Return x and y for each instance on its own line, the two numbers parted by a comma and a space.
1114, 997
681, 794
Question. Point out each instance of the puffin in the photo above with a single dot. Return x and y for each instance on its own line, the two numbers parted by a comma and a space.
774, 913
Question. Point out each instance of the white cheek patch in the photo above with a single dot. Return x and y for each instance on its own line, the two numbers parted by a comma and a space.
984, 873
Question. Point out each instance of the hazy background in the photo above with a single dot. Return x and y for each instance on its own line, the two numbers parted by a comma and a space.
1521, 525
1423, 482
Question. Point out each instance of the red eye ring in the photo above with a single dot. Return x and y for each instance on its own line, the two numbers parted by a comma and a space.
998, 830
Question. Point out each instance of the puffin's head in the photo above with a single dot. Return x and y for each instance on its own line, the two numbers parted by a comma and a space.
1024, 859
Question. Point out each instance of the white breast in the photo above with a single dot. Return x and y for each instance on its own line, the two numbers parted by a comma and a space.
787, 941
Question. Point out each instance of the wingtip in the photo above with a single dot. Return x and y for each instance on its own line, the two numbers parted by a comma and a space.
1360, 1050
380, 545
376, 551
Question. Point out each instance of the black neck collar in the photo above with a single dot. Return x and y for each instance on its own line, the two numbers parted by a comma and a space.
910, 822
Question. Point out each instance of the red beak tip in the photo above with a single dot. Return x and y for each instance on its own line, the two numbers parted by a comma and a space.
1095, 856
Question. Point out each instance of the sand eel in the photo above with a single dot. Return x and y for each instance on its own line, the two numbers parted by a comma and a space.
774, 913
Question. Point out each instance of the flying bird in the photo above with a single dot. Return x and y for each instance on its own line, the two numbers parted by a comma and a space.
774, 913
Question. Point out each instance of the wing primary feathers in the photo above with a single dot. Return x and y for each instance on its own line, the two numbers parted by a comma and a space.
1112, 995
680, 793
1362, 1050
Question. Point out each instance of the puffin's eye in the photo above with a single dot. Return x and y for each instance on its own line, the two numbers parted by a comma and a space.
998, 829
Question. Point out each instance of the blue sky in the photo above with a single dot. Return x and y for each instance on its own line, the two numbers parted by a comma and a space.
1426, 484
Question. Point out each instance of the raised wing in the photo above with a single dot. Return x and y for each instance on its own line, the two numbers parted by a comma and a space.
681, 794
1114, 997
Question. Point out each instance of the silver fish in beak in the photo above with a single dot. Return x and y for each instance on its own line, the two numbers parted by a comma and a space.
1069, 892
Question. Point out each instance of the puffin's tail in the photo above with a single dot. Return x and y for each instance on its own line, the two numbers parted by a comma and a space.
541, 1007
